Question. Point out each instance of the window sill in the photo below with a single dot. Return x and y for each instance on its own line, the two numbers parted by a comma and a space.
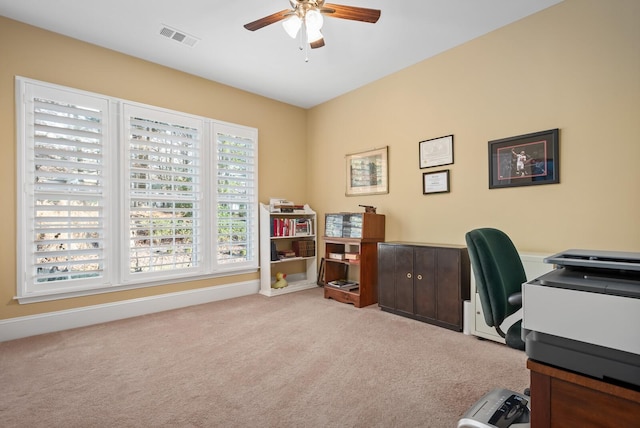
46, 297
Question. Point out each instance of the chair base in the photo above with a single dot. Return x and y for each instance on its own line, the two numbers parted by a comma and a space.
514, 336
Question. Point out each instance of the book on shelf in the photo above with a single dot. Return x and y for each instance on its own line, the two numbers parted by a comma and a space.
283, 227
304, 248
286, 254
336, 256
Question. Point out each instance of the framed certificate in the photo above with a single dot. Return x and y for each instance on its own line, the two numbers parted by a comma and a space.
435, 182
436, 152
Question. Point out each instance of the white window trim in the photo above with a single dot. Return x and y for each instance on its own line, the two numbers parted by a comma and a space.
116, 279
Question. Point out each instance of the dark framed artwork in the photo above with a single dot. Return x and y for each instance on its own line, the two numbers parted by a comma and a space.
524, 160
436, 152
435, 182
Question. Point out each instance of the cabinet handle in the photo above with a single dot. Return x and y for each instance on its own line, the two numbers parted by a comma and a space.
419, 277
408, 274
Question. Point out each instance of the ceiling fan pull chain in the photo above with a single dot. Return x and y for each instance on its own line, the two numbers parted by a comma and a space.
303, 41
301, 34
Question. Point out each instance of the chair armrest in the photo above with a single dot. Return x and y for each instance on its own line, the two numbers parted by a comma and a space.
515, 299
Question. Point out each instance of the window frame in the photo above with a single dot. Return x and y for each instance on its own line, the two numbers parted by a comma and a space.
116, 237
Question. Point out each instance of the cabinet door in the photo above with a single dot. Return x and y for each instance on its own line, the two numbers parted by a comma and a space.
425, 281
404, 278
386, 276
449, 302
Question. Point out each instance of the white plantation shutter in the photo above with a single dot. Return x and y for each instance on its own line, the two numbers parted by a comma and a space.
114, 195
236, 195
164, 202
64, 189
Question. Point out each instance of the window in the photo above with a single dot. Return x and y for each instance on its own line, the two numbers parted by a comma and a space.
236, 171
116, 194
164, 201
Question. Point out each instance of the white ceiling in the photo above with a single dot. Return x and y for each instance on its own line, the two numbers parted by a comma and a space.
267, 61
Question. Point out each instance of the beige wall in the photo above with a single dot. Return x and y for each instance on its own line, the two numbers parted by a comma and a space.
574, 66
37, 54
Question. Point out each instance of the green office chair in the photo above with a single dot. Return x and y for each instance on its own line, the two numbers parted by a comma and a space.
499, 276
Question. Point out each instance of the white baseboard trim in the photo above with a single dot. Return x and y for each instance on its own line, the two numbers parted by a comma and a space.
16, 328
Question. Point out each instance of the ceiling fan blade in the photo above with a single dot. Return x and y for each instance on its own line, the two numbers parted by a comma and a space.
351, 12
317, 44
268, 20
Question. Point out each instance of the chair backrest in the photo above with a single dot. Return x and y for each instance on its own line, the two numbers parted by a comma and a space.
498, 272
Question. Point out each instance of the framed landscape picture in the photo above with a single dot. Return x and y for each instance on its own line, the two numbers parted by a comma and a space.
368, 172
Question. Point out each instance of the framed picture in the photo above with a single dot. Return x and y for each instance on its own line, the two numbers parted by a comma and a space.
368, 172
435, 182
436, 152
525, 160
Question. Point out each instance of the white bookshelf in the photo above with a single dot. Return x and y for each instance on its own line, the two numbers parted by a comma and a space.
298, 280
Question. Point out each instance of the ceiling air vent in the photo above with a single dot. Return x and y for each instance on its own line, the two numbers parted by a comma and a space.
178, 36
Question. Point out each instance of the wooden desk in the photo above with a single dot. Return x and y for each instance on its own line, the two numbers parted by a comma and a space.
561, 399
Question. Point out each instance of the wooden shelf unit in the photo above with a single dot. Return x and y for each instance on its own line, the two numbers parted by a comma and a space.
301, 271
361, 242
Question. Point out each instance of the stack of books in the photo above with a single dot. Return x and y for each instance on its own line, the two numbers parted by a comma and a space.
277, 205
343, 284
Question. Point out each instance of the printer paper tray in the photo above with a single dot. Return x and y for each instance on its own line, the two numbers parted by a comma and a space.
591, 360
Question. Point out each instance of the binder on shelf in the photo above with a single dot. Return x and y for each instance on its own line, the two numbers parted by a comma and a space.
303, 227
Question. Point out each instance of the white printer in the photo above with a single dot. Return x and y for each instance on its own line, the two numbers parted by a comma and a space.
584, 316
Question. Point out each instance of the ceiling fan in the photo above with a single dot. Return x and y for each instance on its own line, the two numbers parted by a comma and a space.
307, 15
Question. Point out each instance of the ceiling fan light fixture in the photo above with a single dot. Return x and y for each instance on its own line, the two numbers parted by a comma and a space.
313, 19
313, 36
292, 25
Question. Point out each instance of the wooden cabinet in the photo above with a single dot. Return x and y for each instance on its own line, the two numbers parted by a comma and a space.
560, 398
287, 245
423, 281
351, 255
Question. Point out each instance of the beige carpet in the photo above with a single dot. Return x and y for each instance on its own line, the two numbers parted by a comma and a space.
296, 360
